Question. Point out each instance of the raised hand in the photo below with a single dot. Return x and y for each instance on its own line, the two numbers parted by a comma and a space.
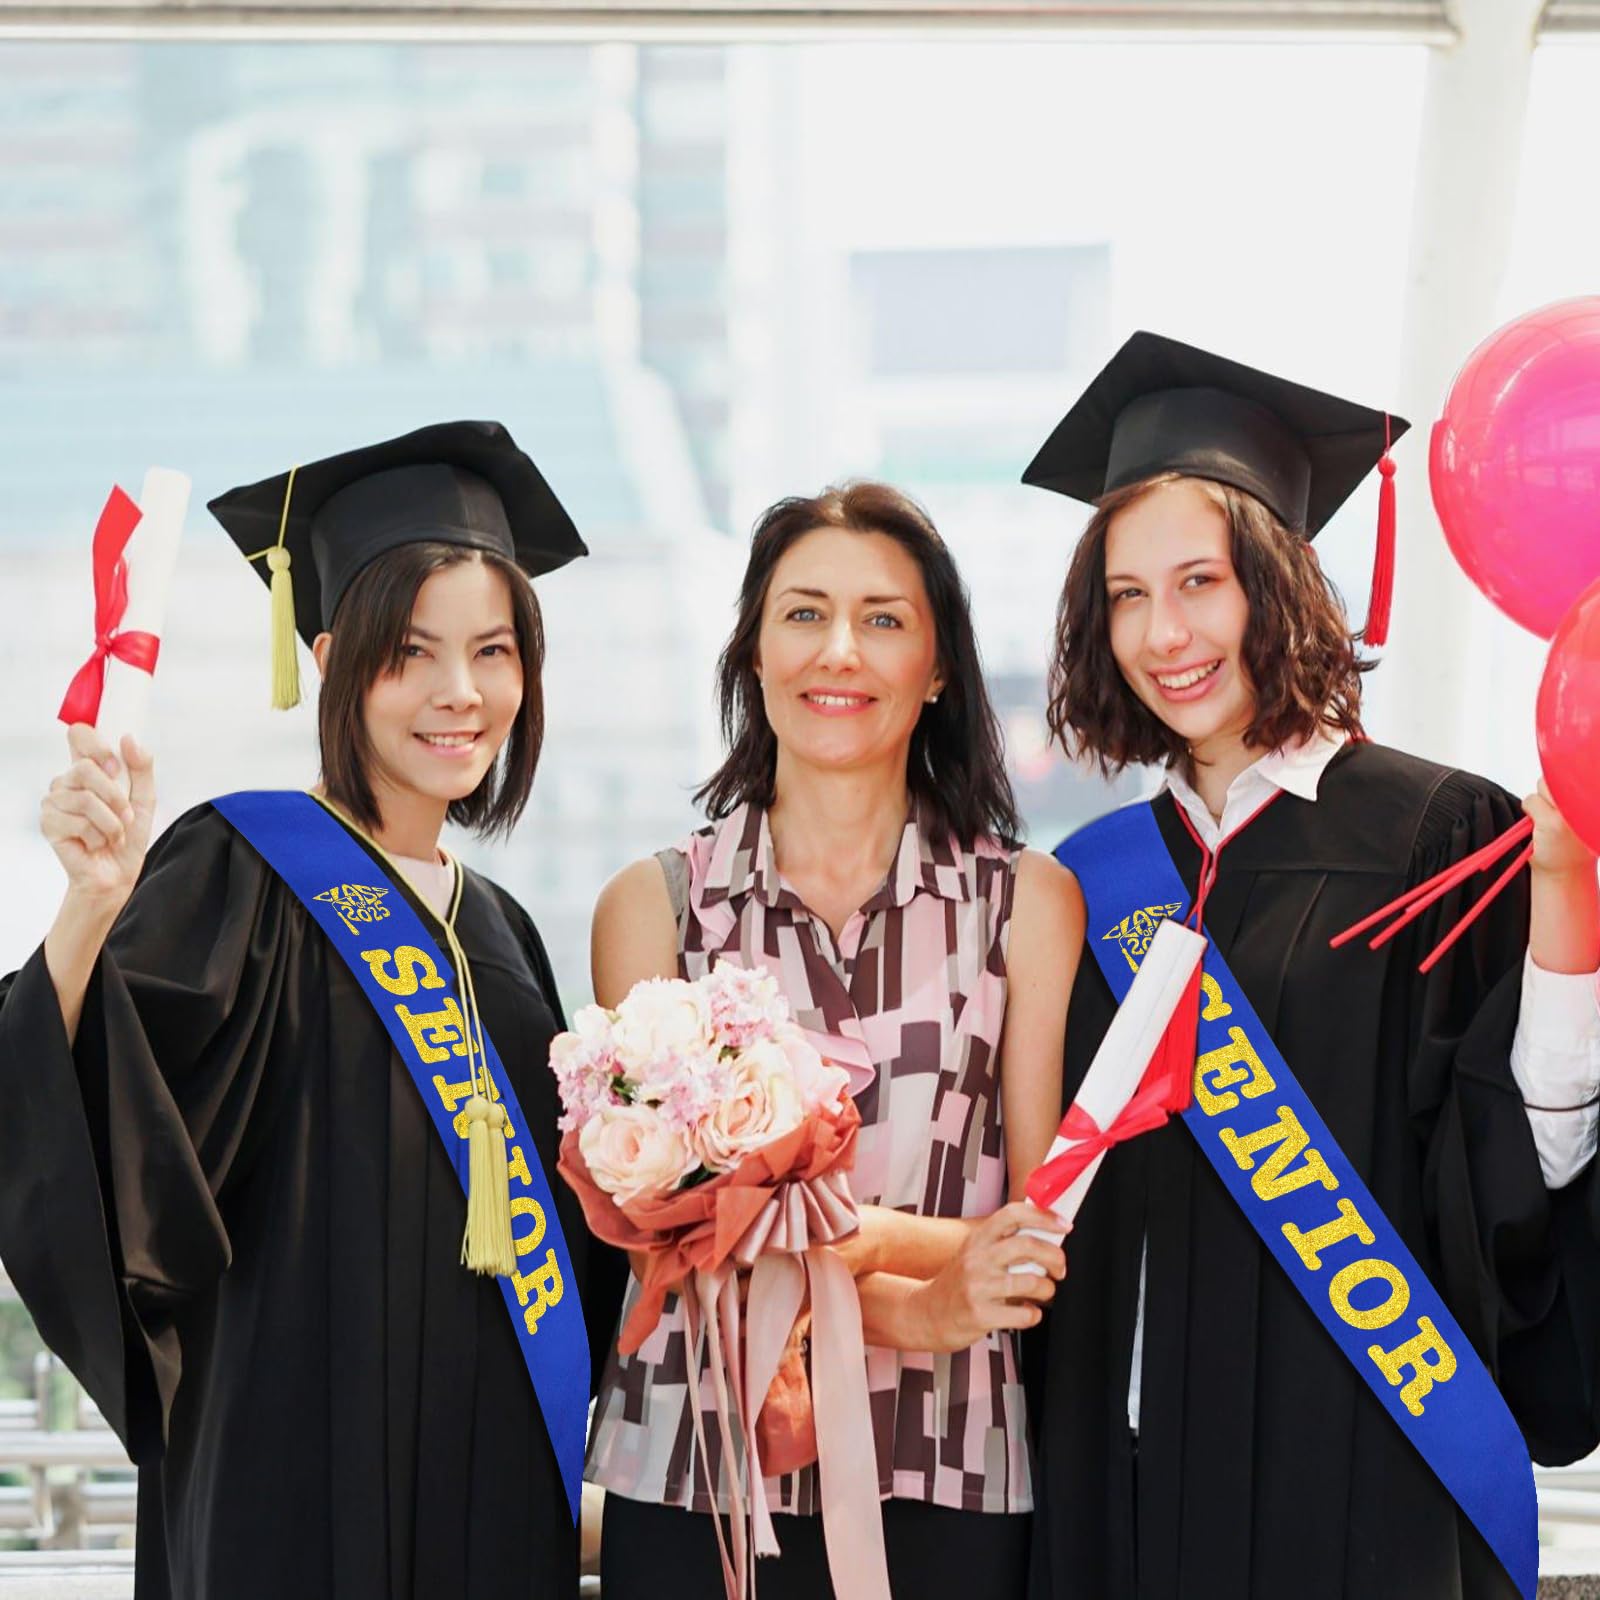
97, 816
1556, 848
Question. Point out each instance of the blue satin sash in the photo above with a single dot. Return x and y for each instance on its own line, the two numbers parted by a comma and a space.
412, 988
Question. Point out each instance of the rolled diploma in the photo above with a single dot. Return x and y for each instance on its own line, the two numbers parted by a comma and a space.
1124, 1055
151, 554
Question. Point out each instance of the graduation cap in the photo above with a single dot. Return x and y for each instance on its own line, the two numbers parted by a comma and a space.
1162, 406
315, 527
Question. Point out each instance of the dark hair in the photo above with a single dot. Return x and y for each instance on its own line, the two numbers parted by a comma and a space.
955, 769
1299, 653
368, 642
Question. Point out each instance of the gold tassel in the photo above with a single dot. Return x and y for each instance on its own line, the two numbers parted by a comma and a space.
486, 1246
285, 664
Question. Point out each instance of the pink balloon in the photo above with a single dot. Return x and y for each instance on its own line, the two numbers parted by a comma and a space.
1514, 463
1569, 718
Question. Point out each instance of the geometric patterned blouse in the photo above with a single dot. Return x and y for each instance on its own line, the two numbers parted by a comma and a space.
911, 1000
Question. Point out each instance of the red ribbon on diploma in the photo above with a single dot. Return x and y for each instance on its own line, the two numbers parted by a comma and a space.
111, 534
1165, 1087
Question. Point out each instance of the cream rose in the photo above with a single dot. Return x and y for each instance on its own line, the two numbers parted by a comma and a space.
660, 1017
763, 1104
822, 1085
631, 1151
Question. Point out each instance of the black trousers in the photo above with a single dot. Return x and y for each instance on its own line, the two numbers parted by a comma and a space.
651, 1552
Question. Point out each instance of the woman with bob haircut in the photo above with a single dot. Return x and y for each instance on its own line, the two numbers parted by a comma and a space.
222, 1195
861, 847
1202, 1432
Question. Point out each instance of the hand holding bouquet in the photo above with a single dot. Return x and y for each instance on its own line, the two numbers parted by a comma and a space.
703, 1131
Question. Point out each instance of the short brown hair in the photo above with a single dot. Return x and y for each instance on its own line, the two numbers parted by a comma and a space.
368, 642
955, 769
1299, 653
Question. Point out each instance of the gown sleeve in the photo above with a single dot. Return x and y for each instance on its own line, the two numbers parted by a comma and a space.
116, 1152
1519, 1264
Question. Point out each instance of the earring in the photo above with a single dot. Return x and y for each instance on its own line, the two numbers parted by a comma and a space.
933, 699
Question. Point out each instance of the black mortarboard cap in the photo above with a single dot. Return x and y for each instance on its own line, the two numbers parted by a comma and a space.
1162, 406
314, 528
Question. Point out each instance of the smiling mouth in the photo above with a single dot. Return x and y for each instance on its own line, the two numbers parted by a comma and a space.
1186, 680
836, 702
448, 741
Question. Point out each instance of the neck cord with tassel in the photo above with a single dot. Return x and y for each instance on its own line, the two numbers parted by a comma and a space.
486, 1243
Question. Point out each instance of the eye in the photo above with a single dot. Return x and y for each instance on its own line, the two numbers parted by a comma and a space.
884, 619
1117, 596
412, 652
1198, 580
495, 650
802, 614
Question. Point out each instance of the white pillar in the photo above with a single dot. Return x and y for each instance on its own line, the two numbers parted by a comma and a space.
1449, 650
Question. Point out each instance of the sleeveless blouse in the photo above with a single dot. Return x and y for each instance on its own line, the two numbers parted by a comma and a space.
911, 998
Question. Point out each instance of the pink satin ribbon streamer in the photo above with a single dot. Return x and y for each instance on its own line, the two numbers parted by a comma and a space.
785, 1251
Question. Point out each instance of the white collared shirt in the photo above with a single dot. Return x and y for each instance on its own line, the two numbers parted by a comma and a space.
1555, 1054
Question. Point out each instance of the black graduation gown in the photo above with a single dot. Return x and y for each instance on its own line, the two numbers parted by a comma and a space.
229, 1213
1265, 1467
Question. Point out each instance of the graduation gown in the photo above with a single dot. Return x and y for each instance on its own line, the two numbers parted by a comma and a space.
229, 1213
1265, 1468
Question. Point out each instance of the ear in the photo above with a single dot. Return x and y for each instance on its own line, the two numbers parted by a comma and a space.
320, 646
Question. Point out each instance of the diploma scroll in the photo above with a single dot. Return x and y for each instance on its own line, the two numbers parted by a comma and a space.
151, 554
1120, 1066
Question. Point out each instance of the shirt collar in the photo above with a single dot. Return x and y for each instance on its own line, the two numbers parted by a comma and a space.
743, 862
1295, 768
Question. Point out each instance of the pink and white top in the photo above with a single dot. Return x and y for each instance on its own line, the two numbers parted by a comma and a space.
911, 999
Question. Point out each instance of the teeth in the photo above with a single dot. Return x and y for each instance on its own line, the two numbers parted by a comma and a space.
836, 699
448, 741
1185, 680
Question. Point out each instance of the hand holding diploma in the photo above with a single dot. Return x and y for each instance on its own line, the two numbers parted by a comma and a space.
97, 815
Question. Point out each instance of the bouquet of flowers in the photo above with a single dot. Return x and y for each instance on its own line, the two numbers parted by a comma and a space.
705, 1134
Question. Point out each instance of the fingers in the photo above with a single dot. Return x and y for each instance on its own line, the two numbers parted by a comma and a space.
91, 777
88, 743
62, 828
141, 765
1015, 1216
1019, 1315
82, 813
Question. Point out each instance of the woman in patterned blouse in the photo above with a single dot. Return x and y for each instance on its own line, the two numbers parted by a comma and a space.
862, 848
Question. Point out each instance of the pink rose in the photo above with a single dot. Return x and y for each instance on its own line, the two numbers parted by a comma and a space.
631, 1151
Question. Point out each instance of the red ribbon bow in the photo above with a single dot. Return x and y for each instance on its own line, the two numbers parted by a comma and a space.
1166, 1086
111, 534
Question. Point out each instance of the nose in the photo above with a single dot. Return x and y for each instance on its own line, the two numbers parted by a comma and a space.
456, 688
839, 650
1168, 629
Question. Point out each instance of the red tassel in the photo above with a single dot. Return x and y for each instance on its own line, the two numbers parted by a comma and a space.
1377, 630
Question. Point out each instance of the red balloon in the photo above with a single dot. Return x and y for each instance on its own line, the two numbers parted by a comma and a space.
1514, 463
1569, 718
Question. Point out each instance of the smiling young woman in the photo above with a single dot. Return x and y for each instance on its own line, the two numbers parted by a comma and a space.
862, 848
1201, 1431
254, 1250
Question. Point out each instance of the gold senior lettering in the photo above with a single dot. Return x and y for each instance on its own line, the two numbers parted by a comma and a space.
435, 1035
1420, 1362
